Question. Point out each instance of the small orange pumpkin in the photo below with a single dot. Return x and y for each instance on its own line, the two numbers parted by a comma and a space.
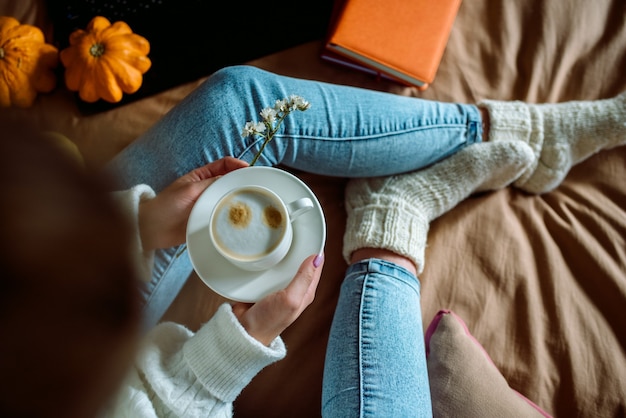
26, 63
105, 60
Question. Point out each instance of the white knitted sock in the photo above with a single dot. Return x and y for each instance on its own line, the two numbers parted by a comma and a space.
561, 134
394, 212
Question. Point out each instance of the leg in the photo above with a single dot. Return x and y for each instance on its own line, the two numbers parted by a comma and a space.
376, 361
347, 132
394, 212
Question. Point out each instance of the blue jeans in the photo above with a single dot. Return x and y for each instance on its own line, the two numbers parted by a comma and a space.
347, 132
376, 360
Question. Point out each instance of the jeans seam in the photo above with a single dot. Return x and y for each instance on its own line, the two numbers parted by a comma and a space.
361, 306
385, 134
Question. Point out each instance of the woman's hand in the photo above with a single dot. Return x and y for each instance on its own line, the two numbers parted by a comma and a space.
268, 318
163, 220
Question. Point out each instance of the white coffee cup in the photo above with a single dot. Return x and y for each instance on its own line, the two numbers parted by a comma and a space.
250, 226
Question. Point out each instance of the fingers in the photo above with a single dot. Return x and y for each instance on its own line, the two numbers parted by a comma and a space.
299, 293
197, 180
268, 318
301, 290
216, 168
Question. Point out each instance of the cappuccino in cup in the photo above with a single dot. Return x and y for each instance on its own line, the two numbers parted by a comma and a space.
248, 224
251, 226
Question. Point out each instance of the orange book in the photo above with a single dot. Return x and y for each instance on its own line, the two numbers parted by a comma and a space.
401, 39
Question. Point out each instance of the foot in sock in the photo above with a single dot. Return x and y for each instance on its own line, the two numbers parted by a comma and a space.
395, 212
561, 134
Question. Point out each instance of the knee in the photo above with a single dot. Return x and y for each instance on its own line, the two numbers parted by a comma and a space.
236, 78
238, 72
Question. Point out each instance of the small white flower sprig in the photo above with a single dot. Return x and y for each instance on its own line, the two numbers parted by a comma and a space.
272, 119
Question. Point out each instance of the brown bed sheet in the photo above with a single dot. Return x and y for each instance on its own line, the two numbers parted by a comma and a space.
540, 280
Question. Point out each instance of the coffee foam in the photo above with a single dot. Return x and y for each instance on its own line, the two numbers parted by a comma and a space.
248, 224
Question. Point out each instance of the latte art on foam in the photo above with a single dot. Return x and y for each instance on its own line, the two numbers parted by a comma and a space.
272, 217
248, 224
239, 215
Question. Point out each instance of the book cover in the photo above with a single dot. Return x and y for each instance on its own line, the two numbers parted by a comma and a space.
402, 39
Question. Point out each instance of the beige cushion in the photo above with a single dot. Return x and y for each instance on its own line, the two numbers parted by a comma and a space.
464, 381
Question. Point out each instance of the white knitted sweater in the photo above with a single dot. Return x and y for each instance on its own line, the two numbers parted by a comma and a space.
182, 374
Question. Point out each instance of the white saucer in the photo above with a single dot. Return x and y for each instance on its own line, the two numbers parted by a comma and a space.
309, 236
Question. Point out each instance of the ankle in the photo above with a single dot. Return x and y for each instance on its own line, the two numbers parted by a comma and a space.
484, 113
382, 254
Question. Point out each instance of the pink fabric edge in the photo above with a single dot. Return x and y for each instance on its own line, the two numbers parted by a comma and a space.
430, 331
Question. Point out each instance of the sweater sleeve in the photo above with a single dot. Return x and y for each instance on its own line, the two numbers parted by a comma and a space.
128, 201
179, 373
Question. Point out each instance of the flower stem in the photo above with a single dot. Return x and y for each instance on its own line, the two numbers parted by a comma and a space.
281, 109
268, 138
258, 154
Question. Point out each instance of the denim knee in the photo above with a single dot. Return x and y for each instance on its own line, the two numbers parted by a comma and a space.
236, 79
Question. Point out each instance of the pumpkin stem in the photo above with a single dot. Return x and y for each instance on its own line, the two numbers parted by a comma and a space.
97, 49
1, 53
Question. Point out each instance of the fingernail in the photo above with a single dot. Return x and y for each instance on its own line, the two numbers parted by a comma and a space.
317, 261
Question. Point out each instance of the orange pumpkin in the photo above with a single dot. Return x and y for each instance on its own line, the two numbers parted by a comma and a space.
105, 60
26, 63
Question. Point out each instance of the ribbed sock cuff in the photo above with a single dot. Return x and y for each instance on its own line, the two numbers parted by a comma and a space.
516, 121
508, 120
370, 226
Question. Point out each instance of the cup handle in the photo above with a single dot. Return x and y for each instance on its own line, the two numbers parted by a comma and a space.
299, 207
